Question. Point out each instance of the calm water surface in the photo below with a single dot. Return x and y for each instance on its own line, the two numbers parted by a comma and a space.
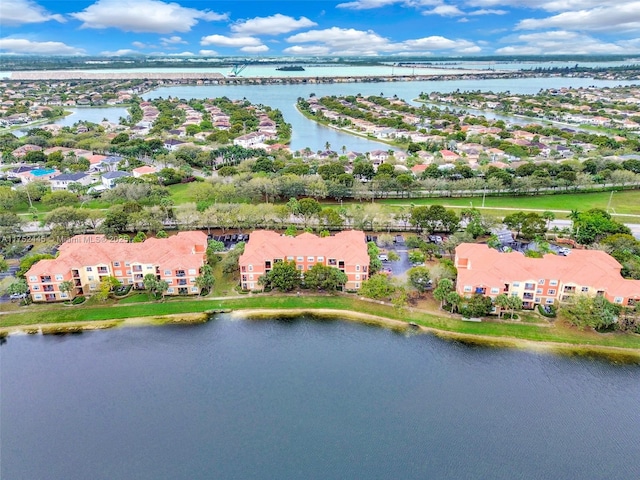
306, 399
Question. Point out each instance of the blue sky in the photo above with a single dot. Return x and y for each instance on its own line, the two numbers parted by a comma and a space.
251, 28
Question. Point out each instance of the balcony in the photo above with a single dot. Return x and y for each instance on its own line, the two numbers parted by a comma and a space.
569, 289
341, 264
180, 273
528, 296
45, 279
137, 268
47, 288
529, 286
75, 273
182, 282
103, 270
506, 288
480, 291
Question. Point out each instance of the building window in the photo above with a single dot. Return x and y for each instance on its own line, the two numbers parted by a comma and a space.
584, 289
251, 276
538, 291
357, 268
63, 295
332, 262
541, 281
529, 286
89, 269
320, 259
250, 267
467, 288
357, 276
299, 267
192, 271
33, 279
118, 273
36, 287
90, 278
289, 259
58, 277
127, 264
549, 301
617, 300
116, 264
553, 283
167, 273
37, 296
169, 290
515, 284
300, 259
310, 259
194, 289
551, 291
495, 290
357, 285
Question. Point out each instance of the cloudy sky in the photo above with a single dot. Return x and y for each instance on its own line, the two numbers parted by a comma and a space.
316, 28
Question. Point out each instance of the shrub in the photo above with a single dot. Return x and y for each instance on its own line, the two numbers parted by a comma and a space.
78, 300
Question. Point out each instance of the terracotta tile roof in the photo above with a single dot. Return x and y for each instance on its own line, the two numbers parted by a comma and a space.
349, 245
183, 250
593, 268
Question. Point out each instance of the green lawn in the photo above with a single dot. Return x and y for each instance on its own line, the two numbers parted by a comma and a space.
60, 314
181, 193
625, 202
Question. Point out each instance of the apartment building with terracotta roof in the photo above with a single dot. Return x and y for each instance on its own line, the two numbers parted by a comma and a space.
542, 281
87, 259
345, 250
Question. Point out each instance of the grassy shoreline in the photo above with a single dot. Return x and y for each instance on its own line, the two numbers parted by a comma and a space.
525, 335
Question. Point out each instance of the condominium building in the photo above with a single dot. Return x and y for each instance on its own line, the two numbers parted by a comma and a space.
542, 281
86, 260
346, 251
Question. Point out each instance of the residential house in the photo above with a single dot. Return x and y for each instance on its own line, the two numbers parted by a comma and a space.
172, 144
346, 251
109, 178
62, 181
86, 260
144, 170
250, 139
542, 281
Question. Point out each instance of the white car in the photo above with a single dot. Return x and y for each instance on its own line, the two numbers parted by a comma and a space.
17, 296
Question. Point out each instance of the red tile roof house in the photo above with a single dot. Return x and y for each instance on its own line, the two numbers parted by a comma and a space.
540, 281
346, 251
87, 259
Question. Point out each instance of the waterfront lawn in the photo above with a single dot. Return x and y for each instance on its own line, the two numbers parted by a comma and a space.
558, 333
624, 202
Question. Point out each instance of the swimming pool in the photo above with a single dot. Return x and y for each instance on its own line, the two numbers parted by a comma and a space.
41, 172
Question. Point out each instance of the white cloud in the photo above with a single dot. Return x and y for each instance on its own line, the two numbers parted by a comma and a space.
444, 11
307, 50
19, 12
547, 5
612, 18
345, 41
488, 11
339, 41
123, 52
181, 54
273, 25
143, 16
256, 49
139, 44
437, 42
558, 42
24, 46
370, 4
208, 53
224, 41
174, 40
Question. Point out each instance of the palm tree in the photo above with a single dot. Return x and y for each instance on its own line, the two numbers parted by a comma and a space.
502, 302
66, 287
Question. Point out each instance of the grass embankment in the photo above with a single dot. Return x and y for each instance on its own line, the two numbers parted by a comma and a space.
555, 334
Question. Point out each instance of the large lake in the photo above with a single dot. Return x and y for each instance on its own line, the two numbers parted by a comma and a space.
305, 399
309, 134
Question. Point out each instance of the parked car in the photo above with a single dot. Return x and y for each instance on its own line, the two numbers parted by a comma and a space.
18, 296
